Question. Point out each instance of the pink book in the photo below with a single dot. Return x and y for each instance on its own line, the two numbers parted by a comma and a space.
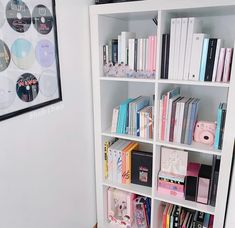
220, 68
211, 221
164, 118
193, 169
149, 53
171, 186
123, 167
227, 64
154, 53
165, 191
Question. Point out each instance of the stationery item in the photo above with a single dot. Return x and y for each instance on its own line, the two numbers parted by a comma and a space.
220, 69
203, 184
227, 64
196, 56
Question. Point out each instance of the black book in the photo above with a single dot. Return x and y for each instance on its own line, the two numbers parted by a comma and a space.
224, 107
114, 51
165, 56
210, 59
198, 219
141, 168
215, 182
135, 54
176, 217
212, 177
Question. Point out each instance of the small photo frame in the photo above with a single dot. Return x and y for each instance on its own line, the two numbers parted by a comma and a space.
29, 59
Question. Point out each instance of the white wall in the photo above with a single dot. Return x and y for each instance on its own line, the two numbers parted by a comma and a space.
46, 157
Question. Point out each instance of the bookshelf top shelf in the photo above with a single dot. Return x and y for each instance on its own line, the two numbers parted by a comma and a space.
139, 9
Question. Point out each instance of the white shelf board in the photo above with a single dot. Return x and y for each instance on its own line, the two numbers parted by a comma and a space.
127, 137
110, 225
133, 188
127, 79
185, 203
195, 147
196, 83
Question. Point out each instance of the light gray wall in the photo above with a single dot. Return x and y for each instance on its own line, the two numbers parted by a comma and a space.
46, 157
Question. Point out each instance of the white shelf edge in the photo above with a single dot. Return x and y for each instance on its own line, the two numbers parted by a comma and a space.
195, 147
185, 203
133, 188
127, 79
127, 137
198, 83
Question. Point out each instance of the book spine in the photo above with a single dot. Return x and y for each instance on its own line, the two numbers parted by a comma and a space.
104, 55
176, 127
222, 129
135, 54
210, 59
216, 59
110, 51
172, 47
106, 147
214, 191
128, 167
119, 49
172, 123
218, 127
164, 118
182, 52
131, 53
221, 65
177, 48
180, 126
160, 118
191, 124
167, 56
154, 53
163, 60
119, 167
184, 121
203, 61
115, 51
227, 64
124, 174
110, 165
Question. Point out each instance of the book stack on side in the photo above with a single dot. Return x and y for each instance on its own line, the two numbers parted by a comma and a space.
134, 117
178, 116
177, 216
190, 181
188, 54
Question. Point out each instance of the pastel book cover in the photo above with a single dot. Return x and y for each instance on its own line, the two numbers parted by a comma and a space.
120, 207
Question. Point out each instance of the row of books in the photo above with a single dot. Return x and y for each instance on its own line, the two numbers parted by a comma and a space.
178, 217
134, 117
138, 53
127, 209
177, 117
125, 164
188, 54
188, 180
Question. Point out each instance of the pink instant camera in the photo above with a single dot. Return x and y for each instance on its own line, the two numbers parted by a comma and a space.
205, 132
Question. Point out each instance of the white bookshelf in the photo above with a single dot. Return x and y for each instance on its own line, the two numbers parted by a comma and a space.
106, 22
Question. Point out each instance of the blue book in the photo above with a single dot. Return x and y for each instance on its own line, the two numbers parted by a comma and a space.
206, 221
218, 126
203, 60
122, 117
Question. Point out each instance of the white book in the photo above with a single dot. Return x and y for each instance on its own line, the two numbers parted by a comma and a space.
147, 55
177, 48
140, 54
115, 119
218, 46
195, 64
144, 54
119, 49
107, 53
193, 27
125, 36
131, 53
172, 47
184, 31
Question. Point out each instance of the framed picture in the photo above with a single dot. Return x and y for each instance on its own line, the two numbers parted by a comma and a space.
29, 60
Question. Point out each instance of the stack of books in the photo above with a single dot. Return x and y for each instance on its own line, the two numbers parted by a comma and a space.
128, 209
177, 216
125, 164
178, 116
190, 181
134, 117
193, 55
221, 114
139, 54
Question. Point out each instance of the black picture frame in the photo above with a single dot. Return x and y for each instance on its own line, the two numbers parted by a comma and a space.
57, 67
